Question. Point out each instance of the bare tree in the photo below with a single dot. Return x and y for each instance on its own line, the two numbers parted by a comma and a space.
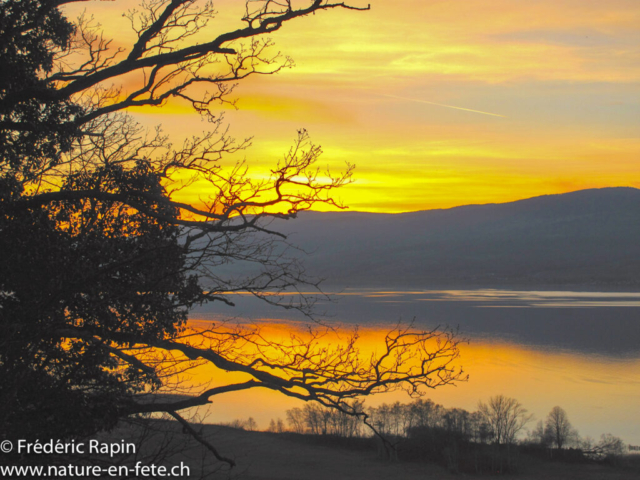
538, 435
276, 426
506, 417
558, 428
103, 263
610, 445
272, 426
295, 419
251, 424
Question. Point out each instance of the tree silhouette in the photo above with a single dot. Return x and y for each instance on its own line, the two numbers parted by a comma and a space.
506, 417
558, 429
35, 129
101, 263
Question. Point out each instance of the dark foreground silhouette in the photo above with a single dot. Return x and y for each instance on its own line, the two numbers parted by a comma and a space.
264, 455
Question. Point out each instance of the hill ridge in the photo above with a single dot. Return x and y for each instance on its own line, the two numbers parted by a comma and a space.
582, 237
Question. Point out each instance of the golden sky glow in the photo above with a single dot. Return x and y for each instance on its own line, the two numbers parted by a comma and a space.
443, 103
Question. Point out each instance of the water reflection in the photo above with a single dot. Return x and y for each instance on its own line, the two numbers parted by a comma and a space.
532, 296
576, 349
604, 323
599, 392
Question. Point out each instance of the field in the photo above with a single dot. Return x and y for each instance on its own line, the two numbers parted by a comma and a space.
267, 456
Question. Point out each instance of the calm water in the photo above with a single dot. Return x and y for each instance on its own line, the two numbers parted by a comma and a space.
579, 350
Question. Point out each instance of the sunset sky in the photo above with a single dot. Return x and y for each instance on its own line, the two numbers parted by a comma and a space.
442, 103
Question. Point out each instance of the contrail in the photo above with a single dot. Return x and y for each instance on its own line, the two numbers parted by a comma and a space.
443, 105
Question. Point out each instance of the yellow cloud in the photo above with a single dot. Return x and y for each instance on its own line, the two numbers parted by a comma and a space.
292, 108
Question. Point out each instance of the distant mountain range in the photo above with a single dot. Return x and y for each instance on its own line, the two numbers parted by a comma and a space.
588, 237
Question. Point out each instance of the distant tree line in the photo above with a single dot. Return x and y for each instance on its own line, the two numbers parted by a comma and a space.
489, 440
318, 420
498, 421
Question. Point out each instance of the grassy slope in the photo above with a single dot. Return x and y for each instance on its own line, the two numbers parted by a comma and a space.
267, 456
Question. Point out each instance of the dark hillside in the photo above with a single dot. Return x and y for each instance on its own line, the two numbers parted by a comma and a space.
589, 237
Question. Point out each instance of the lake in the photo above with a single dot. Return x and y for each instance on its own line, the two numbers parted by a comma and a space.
576, 349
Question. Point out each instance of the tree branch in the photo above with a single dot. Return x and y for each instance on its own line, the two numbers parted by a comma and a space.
201, 439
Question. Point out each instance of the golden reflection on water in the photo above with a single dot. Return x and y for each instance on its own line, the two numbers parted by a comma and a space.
600, 394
